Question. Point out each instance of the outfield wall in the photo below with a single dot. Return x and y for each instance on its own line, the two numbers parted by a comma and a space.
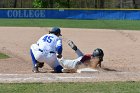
71, 14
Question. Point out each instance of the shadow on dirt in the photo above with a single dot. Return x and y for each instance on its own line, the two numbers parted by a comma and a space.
109, 69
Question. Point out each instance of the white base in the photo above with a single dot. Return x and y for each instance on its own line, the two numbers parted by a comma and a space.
86, 70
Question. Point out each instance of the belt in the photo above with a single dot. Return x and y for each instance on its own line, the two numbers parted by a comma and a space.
42, 51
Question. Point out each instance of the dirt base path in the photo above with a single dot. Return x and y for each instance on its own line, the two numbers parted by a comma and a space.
121, 61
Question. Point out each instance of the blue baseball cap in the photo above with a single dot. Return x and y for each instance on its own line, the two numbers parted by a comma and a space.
56, 30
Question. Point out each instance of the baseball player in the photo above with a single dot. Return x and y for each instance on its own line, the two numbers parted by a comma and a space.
47, 49
83, 60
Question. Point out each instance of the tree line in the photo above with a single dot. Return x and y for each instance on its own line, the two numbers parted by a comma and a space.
69, 4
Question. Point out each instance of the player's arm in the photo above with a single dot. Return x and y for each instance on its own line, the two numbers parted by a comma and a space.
59, 48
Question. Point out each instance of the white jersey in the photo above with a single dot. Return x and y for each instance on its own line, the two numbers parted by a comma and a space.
46, 48
49, 42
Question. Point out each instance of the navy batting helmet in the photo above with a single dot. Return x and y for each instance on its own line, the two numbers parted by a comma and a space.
98, 53
56, 31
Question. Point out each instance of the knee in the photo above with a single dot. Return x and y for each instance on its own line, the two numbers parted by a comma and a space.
58, 69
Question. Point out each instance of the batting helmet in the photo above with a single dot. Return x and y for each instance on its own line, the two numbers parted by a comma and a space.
98, 53
56, 31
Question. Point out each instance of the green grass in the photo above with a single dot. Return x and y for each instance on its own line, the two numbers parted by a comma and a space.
101, 24
102, 87
3, 56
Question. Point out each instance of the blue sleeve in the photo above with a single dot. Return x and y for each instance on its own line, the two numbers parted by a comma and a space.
59, 50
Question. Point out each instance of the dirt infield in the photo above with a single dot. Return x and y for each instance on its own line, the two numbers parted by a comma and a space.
121, 47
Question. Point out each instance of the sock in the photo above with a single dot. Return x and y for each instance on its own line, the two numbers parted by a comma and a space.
34, 61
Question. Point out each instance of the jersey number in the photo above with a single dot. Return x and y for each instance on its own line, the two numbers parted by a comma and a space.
47, 39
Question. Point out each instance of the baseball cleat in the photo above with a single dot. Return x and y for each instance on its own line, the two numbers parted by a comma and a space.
35, 70
72, 45
40, 65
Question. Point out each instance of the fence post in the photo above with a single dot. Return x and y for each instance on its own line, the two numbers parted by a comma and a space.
15, 3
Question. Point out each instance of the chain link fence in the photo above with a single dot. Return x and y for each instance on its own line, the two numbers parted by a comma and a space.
72, 4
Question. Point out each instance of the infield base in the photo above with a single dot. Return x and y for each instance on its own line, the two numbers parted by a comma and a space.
87, 70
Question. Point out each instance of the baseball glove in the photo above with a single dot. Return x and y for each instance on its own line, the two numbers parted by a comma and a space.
59, 56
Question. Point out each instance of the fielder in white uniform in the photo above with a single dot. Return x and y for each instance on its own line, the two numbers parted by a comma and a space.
83, 60
47, 49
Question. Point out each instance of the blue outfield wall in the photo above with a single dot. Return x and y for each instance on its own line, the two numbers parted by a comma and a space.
71, 14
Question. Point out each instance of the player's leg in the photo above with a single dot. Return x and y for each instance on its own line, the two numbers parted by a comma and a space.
57, 67
36, 56
34, 62
75, 48
69, 64
51, 60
